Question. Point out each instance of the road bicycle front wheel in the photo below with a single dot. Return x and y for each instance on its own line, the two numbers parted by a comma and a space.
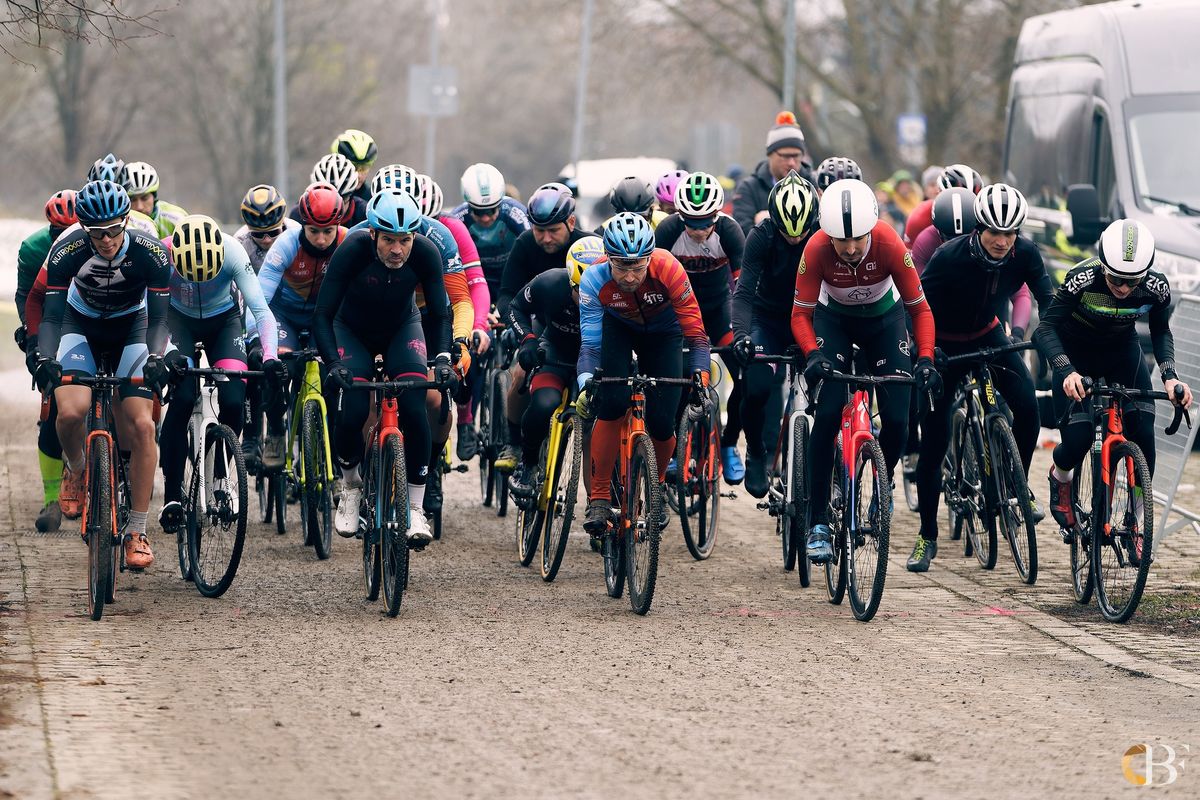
529, 518
868, 539
564, 486
697, 474
797, 514
393, 489
1123, 542
101, 527
318, 492
643, 511
216, 537
371, 559
1013, 499
971, 496
499, 439
1083, 577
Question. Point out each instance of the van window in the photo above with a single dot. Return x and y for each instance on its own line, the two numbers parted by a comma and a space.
1104, 168
1163, 150
1044, 156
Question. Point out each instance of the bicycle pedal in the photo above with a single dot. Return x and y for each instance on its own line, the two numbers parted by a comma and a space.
460, 468
417, 547
763, 505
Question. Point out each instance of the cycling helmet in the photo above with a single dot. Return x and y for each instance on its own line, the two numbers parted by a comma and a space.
699, 195
357, 146
960, 175
140, 178
628, 236
263, 208
321, 205
101, 201
109, 168
60, 209
393, 211
429, 196
550, 204
1000, 207
848, 209
582, 254
197, 248
1126, 249
792, 204
631, 194
393, 176
954, 212
336, 170
836, 168
664, 190
482, 186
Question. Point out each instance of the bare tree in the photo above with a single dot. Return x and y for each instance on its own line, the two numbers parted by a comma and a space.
37, 23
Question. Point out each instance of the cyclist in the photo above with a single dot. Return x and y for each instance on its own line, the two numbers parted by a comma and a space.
208, 264
544, 247
552, 297
106, 293
494, 220
366, 308
664, 189
1089, 330
141, 182
338, 171
360, 148
634, 195
954, 176
291, 278
762, 307
60, 215
836, 168
968, 283
853, 286
637, 299
709, 245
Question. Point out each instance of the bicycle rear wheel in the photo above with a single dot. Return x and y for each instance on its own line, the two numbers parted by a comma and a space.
797, 515
484, 422
835, 568
958, 421
564, 486
530, 518
101, 527
1123, 542
697, 473
216, 538
612, 547
371, 558
499, 439
393, 494
1013, 499
266, 501
642, 510
318, 492
971, 495
868, 547
1083, 577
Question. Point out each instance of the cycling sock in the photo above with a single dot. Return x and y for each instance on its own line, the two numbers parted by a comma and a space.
137, 522
1061, 475
662, 454
514, 433
606, 438
416, 495
466, 414
52, 469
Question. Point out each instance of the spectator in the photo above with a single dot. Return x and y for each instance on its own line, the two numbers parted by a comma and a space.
929, 181
904, 192
888, 211
786, 151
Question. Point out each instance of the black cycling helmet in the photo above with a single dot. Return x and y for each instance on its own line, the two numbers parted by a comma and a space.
550, 204
631, 194
954, 212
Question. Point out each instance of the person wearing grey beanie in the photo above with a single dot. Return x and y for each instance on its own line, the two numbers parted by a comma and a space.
786, 151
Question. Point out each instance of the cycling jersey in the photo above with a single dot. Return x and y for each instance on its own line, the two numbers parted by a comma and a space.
548, 297
968, 297
768, 278
95, 288
215, 297
1085, 315
481, 299
496, 240
711, 265
259, 254
885, 275
920, 219
664, 303
291, 275
166, 216
30, 257
526, 261
143, 224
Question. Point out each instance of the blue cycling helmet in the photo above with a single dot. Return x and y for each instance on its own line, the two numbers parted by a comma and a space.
393, 211
109, 168
550, 204
628, 235
101, 201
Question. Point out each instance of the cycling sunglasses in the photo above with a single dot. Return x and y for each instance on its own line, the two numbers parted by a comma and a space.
101, 232
629, 264
699, 224
1117, 281
271, 234
489, 211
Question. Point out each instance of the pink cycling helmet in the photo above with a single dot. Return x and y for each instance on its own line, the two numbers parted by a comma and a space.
665, 188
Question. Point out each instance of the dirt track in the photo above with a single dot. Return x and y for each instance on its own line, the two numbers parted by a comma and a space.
492, 683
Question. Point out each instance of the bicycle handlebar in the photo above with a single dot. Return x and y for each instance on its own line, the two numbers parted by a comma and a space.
989, 353
100, 381
866, 380
219, 373
1103, 389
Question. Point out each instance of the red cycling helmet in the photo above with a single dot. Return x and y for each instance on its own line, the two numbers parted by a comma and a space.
60, 209
322, 206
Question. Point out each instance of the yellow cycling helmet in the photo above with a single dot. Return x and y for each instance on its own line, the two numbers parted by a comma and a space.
583, 254
197, 248
357, 146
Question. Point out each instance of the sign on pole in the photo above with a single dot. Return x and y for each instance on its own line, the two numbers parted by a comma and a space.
910, 137
432, 90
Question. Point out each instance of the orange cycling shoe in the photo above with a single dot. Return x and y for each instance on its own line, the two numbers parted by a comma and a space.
70, 494
138, 554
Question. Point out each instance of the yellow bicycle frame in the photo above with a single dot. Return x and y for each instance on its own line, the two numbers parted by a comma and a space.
552, 440
310, 390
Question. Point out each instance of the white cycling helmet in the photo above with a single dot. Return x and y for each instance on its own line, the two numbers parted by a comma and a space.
482, 186
848, 209
429, 196
393, 176
699, 196
336, 170
140, 178
1127, 249
960, 175
1000, 207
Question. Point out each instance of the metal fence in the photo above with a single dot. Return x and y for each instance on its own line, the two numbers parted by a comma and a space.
1173, 451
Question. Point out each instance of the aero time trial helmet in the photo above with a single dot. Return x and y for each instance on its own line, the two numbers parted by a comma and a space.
848, 209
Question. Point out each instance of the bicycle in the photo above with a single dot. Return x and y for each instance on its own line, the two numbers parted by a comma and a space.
384, 508
215, 474
985, 485
312, 473
860, 507
787, 487
491, 421
630, 543
1112, 541
106, 489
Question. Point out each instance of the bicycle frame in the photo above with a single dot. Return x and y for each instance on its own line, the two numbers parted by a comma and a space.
309, 389
856, 429
553, 438
99, 435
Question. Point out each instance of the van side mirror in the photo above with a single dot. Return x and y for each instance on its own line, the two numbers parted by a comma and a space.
1083, 204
